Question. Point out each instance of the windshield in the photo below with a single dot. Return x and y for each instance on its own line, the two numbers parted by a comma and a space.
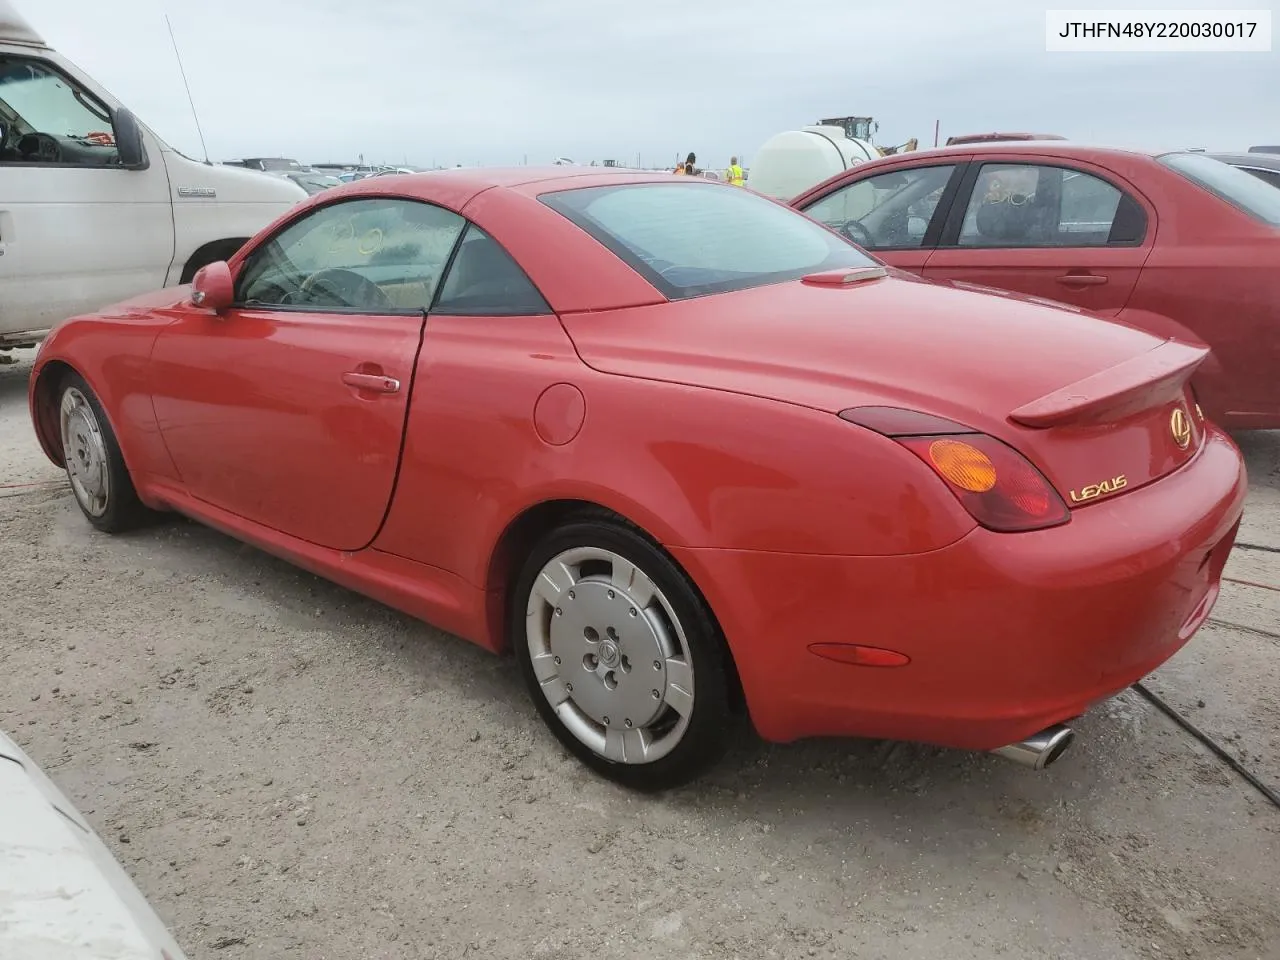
694, 239
39, 105
1255, 197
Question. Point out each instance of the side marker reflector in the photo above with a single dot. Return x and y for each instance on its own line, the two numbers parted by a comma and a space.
859, 655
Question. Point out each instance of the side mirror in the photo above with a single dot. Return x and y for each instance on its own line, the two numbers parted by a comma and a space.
128, 140
213, 288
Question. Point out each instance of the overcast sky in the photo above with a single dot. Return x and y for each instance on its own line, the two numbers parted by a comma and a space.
494, 81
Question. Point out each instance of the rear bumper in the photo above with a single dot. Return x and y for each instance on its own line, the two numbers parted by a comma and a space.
1006, 633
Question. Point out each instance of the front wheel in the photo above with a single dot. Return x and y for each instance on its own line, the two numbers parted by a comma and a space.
621, 656
95, 466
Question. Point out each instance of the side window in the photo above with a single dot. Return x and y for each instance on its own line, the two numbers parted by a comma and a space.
484, 281
45, 118
1025, 205
891, 210
380, 255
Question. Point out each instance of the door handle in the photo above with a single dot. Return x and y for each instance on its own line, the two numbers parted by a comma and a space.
374, 382
1082, 280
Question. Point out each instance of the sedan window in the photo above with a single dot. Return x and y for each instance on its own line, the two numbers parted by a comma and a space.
697, 238
889, 211
1028, 205
485, 281
364, 256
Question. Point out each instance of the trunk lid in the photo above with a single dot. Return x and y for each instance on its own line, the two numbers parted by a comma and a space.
1090, 402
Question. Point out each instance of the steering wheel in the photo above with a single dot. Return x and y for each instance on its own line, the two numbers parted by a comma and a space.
856, 231
40, 147
346, 288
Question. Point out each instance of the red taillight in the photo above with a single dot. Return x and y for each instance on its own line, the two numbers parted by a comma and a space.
995, 483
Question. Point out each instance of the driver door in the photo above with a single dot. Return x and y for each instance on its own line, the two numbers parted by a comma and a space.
77, 231
289, 408
896, 215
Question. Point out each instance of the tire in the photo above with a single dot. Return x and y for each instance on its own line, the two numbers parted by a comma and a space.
209, 253
95, 467
622, 657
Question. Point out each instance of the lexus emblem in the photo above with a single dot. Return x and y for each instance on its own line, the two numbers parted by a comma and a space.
1180, 427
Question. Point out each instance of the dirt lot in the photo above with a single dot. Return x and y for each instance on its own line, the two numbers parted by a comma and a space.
289, 770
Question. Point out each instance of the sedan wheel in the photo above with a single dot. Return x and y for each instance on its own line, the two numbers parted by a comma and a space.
86, 452
95, 465
621, 656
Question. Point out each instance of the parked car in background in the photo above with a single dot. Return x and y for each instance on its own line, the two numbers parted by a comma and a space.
346, 172
1179, 244
269, 164
679, 449
313, 183
1265, 166
64, 894
94, 207
968, 138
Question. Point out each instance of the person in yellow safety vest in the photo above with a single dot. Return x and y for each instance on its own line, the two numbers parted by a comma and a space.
736, 176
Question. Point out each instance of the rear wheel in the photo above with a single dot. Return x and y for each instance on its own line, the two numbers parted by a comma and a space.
621, 656
95, 467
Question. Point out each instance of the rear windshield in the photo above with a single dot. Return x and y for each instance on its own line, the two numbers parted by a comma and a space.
1255, 197
693, 239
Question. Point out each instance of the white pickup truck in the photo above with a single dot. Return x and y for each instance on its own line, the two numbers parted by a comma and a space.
94, 207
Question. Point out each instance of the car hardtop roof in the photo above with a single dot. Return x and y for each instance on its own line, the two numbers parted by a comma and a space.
1038, 148
530, 181
527, 176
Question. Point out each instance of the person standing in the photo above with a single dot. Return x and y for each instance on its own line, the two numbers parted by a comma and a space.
737, 176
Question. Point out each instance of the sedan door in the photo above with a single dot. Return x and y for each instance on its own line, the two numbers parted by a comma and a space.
289, 408
1049, 229
896, 214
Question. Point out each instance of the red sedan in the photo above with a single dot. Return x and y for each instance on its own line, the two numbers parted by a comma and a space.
1178, 244
681, 449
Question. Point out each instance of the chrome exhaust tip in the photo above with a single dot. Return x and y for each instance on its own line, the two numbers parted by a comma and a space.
1038, 751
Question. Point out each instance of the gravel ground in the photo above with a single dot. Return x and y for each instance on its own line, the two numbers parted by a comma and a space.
289, 770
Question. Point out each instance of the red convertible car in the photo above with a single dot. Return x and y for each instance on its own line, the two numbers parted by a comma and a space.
1179, 244
684, 451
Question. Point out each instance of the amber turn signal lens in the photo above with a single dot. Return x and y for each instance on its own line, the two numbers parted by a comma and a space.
963, 465
999, 487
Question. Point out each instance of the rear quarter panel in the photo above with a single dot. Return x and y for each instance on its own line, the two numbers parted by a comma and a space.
692, 466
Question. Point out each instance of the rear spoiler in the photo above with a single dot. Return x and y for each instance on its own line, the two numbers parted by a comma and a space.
1145, 381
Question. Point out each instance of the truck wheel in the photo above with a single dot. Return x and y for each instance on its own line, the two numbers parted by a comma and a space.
211, 253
